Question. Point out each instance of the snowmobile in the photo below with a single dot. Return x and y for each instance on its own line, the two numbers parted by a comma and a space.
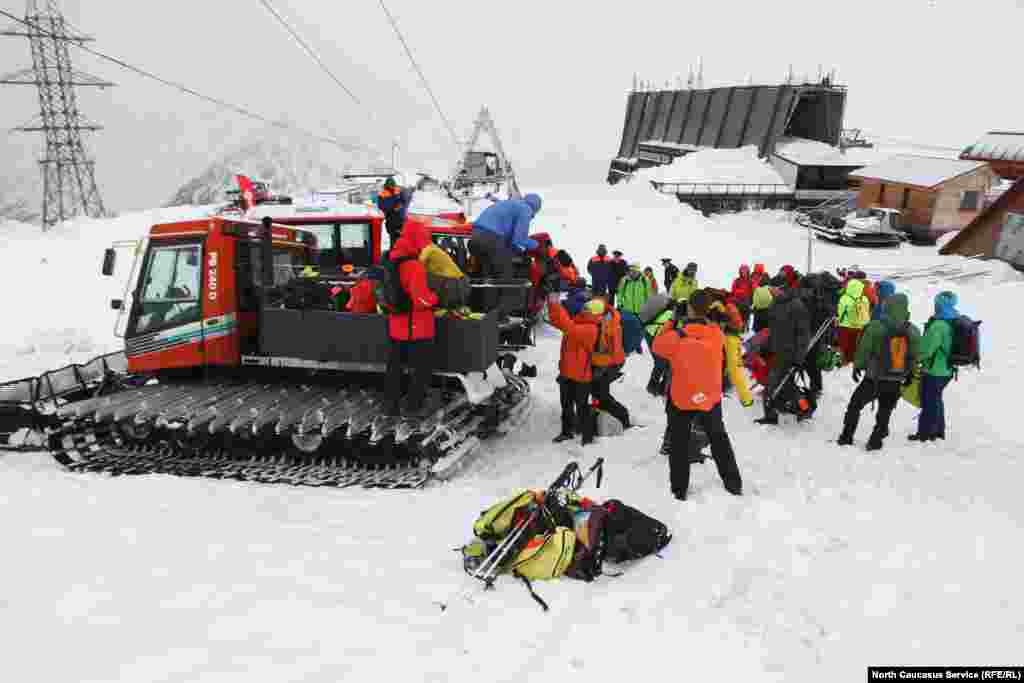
225, 374
873, 227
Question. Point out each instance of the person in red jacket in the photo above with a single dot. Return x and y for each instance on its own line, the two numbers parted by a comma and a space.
412, 333
742, 291
792, 277
362, 298
696, 355
759, 278
575, 368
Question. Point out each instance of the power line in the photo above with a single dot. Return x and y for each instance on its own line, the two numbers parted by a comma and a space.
309, 50
423, 78
238, 109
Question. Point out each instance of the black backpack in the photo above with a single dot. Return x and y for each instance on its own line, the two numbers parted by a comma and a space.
631, 533
390, 292
966, 349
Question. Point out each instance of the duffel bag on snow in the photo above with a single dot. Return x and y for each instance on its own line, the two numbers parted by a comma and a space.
546, 556
631, 533
498, 520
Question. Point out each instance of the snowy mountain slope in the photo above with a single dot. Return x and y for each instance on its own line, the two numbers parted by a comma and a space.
290, 163
834, 559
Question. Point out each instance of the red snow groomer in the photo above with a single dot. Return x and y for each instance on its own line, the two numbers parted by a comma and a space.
238, 363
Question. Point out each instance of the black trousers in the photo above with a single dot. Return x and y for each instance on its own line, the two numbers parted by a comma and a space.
601, 388
681, 434
393, 224
811, 367
496, 261
418, 356
886, 393
575, 398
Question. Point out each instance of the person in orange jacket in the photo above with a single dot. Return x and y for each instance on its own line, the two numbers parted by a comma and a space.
607, 359
695, 353
575, 368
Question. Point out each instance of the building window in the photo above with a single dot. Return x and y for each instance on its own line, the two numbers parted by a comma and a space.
969, 200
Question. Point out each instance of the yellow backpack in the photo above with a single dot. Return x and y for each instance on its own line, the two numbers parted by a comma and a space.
546, 557
498, 520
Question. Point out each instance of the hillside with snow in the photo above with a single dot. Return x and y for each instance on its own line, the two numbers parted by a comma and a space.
292, 164
833, 560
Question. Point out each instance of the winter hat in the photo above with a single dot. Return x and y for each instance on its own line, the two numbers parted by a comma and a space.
390, 182
744, 270
885, 289
762, 298
945, 306
699, 303
533, 200
616, 253
575, 301
594, 307
759, 268
691, 269
602, 250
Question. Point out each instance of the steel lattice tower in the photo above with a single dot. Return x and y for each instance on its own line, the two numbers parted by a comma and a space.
69, 181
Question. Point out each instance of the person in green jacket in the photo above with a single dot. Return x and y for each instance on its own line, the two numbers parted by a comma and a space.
936, 371
882, 381
633, 291
685, 283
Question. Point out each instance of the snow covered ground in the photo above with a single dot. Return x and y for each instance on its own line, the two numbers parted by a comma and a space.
833, 560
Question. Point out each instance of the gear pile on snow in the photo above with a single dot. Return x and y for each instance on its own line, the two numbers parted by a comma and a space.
538, 534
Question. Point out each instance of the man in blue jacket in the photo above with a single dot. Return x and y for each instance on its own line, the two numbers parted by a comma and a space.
600, 269
501, 233
393, 201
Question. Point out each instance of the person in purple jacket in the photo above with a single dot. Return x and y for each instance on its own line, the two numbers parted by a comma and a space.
501, 233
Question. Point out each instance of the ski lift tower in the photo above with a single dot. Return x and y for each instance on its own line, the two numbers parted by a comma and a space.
479, 169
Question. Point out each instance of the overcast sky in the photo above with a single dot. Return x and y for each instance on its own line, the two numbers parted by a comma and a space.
555, 74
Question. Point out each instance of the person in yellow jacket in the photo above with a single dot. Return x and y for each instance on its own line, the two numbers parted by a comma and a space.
444, 277
729, 319
852, 315
685, 284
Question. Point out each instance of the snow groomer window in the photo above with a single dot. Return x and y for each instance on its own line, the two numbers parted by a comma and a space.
170, 295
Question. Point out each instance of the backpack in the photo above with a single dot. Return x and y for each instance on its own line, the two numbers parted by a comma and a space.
894, 361
496, 521
631, 533
966, 345
390, 292
546, 556
966, 342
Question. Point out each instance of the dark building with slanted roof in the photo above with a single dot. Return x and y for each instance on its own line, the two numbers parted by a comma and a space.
661, 125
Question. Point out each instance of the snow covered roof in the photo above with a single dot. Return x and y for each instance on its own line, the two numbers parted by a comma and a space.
997, 146
921, 171
736, 166
813, 153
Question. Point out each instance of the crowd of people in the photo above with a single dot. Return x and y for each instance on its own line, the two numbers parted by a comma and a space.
784, 330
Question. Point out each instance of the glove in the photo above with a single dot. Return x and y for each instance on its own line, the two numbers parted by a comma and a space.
857, 373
